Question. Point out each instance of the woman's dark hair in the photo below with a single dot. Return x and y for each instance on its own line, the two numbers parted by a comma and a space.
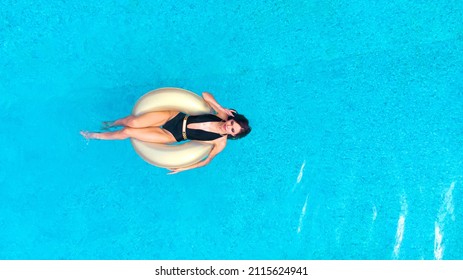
243, 122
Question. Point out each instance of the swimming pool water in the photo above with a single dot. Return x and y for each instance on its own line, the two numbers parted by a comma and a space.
356, 148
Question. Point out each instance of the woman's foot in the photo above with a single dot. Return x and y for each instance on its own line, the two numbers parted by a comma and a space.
115, 135
87, 135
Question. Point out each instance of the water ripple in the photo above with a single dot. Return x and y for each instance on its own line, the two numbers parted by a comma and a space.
445, 210
301, 217
299, 177
301, 173
400, 226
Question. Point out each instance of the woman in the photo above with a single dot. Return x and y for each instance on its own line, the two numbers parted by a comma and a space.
167, 127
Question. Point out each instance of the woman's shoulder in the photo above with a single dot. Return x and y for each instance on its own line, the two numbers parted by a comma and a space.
212, 117
203, 118
221, 141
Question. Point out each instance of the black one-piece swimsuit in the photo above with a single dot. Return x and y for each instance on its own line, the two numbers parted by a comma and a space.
175, 126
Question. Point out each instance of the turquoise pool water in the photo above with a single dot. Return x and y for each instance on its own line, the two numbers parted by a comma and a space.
356, 149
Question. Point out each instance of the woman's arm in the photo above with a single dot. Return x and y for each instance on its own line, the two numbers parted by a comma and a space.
219, 145
221, 112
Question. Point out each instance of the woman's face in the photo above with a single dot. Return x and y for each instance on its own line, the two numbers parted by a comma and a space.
231, 127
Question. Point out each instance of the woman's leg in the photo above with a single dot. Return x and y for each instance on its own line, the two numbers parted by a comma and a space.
146, 120
149, 134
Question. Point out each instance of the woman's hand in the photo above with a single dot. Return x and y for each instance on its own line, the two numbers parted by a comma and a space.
222, 112
213, 153
176, 170
228, 112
